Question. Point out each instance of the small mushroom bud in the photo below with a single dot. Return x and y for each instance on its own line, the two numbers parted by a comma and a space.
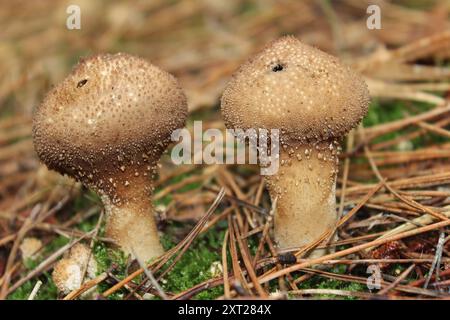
313, 100
30, 248
107, 125
68, 272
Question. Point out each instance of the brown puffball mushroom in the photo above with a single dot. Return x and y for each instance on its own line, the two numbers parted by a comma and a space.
107, 125
313, 100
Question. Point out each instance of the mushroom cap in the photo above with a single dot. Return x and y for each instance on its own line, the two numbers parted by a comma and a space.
113, 109
305, 93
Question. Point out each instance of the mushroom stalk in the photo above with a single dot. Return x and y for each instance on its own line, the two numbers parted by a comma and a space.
305, 190
130, 222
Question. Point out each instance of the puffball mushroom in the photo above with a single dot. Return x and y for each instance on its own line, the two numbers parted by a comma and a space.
30, 248
313, 100
107, 125
68, 272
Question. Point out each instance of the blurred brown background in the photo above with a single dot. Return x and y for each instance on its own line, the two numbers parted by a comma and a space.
200, 41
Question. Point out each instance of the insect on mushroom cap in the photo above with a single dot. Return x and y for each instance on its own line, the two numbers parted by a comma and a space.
302, 91
111, 107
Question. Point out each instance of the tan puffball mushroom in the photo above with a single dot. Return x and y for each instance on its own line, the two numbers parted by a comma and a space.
68, 272
107, 125
313, 100
30, 247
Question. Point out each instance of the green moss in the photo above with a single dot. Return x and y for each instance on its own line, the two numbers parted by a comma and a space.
417, 4
379, 113
194, 267
191, 186
85, 201
318, 282
47, 291
382, 113
166, 200
107, 257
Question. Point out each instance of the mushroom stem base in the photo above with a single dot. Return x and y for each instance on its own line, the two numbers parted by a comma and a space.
305, 188
132, 226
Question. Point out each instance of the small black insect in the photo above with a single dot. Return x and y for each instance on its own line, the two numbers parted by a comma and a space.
82, 83
277, 67
287, 258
